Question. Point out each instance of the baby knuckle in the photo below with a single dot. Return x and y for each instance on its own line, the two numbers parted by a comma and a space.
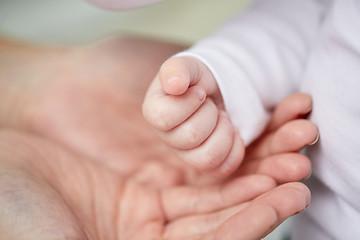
155, 115
161, 118
211, 159
192, 137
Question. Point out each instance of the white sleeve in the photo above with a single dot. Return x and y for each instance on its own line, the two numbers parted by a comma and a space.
258, 56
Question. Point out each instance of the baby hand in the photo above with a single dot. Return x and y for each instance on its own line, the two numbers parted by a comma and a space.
184, 104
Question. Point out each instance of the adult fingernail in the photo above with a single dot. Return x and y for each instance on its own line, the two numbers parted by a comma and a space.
309, 176
316, 139
309, 107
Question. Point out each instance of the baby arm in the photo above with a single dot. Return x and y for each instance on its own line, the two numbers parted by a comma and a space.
184, 104
257, 59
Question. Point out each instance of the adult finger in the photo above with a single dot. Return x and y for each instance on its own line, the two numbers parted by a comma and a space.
285, 167
292, 107
247, 220
291, 137
264, 214
194, 226
186, 200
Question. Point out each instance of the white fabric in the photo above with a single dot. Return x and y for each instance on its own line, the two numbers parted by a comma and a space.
280, 46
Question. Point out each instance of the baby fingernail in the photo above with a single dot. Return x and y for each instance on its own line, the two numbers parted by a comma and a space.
173, 79
201, 94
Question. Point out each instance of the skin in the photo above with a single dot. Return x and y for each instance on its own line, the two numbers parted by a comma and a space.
50, 193
184, 104
77, 160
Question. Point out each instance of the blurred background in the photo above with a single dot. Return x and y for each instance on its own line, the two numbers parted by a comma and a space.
76, 22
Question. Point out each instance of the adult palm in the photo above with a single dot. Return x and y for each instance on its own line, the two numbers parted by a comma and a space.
88, 99
97, 171
50, 193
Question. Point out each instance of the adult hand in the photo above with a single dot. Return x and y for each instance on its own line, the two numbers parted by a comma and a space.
85, 98
52, 192
88, 99
49, 193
